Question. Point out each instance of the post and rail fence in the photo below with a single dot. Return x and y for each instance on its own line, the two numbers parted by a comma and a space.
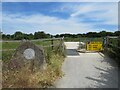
50, 40
112, 46
52, 45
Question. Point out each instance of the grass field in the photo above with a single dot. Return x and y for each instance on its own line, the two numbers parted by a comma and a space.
83, 39
8, 48
10, 45
14, 45
0, 45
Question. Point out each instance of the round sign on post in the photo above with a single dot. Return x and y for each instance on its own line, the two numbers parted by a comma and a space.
29, 54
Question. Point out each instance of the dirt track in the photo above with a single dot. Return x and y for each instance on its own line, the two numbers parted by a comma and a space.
87, 70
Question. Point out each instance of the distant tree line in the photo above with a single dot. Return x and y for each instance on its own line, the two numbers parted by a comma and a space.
90, 34
41, 34
19, 36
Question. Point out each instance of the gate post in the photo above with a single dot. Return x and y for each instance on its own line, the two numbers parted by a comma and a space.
52, 43
118, 41
107, 41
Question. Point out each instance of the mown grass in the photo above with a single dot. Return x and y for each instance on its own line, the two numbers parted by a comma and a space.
10, 45
13, 45
24, 78
82, 39
7, 47
42, 43
0, 45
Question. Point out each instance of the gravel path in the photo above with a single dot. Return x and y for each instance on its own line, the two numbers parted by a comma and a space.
87, 70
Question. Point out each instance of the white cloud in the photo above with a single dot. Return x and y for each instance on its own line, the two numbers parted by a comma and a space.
109, 14
49, 24
83, 9
107, 11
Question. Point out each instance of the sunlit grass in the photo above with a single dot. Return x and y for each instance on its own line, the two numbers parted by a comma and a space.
82, 39
0, 45
13, 45
10, 45
24, 78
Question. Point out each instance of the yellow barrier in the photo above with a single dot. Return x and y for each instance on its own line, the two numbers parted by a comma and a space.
94, 46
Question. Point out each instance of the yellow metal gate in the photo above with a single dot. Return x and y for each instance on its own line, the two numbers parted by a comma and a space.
94, 46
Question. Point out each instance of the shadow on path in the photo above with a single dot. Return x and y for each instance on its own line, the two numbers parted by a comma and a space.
72, 52
107, 76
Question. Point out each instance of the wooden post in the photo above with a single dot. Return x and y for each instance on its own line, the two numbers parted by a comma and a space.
52, 43
119, 52
107, 41
118, 41
63, 44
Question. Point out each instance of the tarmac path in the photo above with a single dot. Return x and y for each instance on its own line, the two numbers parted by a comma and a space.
87, 70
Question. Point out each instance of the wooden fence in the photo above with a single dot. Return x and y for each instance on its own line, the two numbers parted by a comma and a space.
112, 46
52, 45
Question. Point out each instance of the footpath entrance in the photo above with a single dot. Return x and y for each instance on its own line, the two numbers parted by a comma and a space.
87, 70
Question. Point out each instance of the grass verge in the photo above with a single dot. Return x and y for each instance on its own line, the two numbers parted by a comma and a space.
24, 78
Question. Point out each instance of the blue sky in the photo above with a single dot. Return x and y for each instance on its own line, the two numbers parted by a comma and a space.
59, 17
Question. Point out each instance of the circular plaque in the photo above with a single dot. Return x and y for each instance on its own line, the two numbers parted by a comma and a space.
29, 53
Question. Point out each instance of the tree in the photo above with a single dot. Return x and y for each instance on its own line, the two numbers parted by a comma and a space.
18, 35
117, 33
92, 34
57, 36
40, 35
109, 34
6, 37
31, 36
102, 33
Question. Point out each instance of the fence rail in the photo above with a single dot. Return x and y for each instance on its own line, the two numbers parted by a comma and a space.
32, 40
38, 40
50, 46
112, 46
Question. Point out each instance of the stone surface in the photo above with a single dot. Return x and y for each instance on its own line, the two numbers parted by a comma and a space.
28, 54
